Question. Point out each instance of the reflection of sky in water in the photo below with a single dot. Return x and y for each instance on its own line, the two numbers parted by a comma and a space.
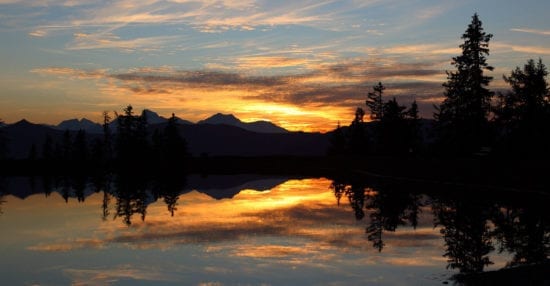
294, 233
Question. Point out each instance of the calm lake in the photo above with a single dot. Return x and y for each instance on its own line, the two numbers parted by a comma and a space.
257, 230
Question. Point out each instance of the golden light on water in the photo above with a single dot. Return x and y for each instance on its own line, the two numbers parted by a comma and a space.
296, 225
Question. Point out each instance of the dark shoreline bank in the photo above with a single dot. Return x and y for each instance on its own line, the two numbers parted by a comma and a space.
463, 173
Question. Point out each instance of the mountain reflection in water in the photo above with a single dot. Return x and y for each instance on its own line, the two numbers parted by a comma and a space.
251, 229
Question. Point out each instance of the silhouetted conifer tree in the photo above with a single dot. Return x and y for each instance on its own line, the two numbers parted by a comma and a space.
392, 131
375, 103
524, 112
462, 117
414, 133
107, 138
132, 143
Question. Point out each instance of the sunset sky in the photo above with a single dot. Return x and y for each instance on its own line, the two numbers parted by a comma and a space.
304, 65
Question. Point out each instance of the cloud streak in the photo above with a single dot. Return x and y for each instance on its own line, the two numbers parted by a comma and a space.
532, 31
503, 47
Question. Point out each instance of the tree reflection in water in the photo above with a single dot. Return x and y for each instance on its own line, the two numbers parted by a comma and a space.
388, 207
465, 229
471, 226
131, 197
131, 194
524, 231
168, 187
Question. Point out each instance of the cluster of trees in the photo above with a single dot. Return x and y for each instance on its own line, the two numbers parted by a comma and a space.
130, 145
522, 114
394, 129
125, 196
471, 226
472, 118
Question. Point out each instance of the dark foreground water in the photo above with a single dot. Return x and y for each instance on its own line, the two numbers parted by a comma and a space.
257, 230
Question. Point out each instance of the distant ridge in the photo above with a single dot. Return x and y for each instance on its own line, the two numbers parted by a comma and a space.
23, 134
216, 136
256, 126
84, 124
153, 118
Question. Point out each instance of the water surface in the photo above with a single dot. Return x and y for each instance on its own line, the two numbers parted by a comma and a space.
247, 230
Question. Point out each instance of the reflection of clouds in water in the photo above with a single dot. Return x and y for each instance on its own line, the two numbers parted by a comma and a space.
296, 226
69, 245
301, 211
109, 276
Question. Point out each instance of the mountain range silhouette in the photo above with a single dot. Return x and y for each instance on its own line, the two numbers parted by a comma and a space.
154, 118
218, 135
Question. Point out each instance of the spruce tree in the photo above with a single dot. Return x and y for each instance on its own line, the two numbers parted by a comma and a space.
392, 131
462, 117
374, 101
524, 112
107, 138
132, 145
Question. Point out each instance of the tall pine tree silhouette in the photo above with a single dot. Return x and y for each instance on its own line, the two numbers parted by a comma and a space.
462, 117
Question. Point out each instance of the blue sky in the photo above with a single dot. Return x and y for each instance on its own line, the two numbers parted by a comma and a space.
302, 64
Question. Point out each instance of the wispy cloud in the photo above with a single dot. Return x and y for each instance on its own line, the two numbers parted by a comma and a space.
205, 16
503, 47
66, 246
72, 73
84, 41
266, 62
532, 31
38, 33
426, 13
106, 276
424, 49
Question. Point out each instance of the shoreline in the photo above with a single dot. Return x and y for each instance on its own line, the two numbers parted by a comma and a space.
511, 175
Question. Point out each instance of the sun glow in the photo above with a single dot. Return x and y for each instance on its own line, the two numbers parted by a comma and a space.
294, 118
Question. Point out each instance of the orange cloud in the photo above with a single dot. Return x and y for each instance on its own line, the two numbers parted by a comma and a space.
71, 72
69, 245
264, 62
